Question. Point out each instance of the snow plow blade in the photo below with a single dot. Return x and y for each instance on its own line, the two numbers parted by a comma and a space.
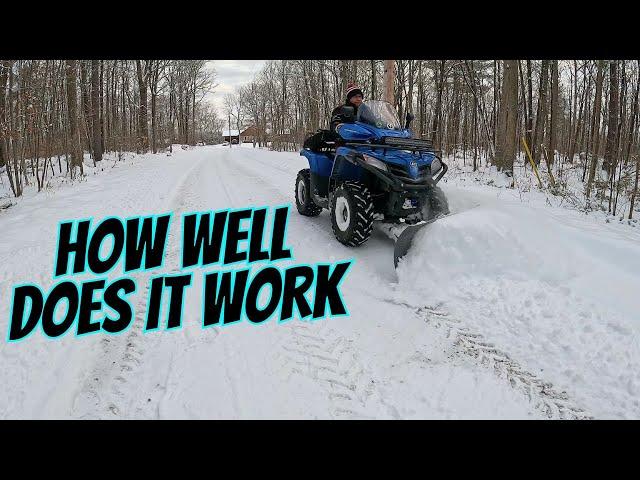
404, 240
402, 234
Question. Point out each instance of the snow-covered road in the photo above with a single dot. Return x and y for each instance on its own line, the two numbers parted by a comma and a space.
490, 306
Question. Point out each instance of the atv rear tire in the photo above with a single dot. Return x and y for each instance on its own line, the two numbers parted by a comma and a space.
351, 213
304, 202
437, 204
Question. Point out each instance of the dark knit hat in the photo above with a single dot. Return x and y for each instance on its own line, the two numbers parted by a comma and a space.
353, 89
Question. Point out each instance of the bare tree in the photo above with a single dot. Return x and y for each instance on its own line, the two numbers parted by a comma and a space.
611, 149
95, 111
5, 65
541, 115
595, 127
389, 77
75, 150
555, 112
508, 118
143, 71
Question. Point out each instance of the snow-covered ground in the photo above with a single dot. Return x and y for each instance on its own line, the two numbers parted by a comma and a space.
512, 308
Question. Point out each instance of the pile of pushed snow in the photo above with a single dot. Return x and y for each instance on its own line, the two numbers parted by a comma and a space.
484, 240
559, 294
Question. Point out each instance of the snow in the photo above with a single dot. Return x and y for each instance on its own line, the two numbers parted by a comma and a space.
510, 308
555, 291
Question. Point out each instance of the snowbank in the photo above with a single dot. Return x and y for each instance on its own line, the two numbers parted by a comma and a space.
560, 296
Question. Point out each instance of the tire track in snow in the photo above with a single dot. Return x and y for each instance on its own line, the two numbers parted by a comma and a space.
319, 353
128, 399
193, 203
269, 165
554, 404
186, 198
104, 393
543, 396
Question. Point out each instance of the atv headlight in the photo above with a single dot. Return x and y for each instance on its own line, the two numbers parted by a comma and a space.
374, 162
436, 166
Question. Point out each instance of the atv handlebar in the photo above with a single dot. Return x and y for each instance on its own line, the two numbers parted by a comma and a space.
444, 170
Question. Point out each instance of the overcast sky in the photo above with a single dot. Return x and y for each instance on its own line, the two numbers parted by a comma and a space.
231, 74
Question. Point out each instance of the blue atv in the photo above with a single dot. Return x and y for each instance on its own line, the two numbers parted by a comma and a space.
370, 169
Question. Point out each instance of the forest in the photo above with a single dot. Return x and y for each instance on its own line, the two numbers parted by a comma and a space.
51, 110
561, 119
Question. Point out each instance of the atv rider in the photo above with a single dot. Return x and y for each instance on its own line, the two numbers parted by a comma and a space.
354, 99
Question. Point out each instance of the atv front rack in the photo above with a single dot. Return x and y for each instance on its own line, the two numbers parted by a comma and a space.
397, 143
384, 146
390, 179
409, 143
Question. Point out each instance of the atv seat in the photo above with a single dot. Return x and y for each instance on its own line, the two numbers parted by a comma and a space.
321, 141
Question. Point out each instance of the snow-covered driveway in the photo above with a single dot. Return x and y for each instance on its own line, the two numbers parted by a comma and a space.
481, 317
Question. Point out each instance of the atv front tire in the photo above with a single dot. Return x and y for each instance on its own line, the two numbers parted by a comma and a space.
351, 212
304, 202
437, 204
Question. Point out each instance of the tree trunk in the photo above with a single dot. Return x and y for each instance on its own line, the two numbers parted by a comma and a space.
595, 129
4, 75
507, 117
373, 80
154, 127
634, 116
143, 134
102, 108
541, 115
389, 77
529, 123
438, 110
573, 138
555, 105
95, 110
86, 106
75, 152
635, 188
611, 149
